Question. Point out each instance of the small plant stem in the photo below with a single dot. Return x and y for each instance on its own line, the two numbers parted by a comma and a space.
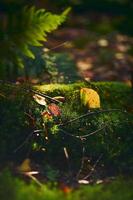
82, 160
67, 158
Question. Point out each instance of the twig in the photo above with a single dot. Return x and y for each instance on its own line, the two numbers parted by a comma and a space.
93, 168
84, 136
60, 45
67, 158
32, 118
33, 178
90, 113
82, 161
26, 140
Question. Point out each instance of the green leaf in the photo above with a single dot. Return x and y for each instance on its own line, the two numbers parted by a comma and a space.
27, 52
27, 27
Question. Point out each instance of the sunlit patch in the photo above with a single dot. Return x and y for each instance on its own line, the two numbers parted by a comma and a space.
43, 149
32, 173
45, 50
119, 56
84, 65
99, 181
123, 48
68, 45
85, 182
103, 42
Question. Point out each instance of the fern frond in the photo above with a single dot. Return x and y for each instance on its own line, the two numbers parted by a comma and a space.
23, 29
29, 27
34, 28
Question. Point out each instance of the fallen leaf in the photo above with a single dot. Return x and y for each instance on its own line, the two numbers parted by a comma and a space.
25, 166
54, 109
59, 98
90, 98
46, 115
40, 100
83, 181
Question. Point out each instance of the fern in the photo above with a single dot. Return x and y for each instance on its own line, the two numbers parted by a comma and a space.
34, 28
25, 28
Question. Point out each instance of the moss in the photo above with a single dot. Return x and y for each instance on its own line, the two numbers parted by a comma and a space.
114, 142
14, 123
112, 94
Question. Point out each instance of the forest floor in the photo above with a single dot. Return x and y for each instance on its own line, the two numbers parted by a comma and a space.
97, 56
102, 157
54, 165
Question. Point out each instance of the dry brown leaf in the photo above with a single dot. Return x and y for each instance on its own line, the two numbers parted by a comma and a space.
25, 166
59, 98
40, 100
54, 109
46, 115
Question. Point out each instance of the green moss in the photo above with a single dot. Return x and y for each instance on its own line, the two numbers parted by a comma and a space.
14, 123
114, 142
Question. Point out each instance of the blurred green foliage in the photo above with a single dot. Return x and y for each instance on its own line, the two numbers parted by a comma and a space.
50, 67
22, 27
15, 189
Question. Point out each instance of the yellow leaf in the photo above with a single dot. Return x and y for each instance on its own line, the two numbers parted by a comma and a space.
25, 166
90, 98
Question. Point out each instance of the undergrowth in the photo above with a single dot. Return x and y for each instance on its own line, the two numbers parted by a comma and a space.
112, 143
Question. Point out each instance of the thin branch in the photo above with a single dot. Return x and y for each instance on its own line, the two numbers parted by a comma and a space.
32, 118
33, 178
26, 140
83, 136
90, 113
93, 168
60, 45
82, 161
67, 159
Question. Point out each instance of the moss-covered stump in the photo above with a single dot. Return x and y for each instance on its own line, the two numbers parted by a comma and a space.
111, 145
